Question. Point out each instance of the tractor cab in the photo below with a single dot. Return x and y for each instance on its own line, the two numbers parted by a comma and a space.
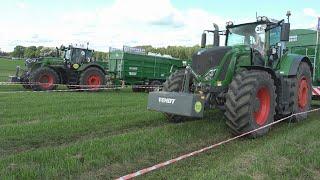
77, 55
265, 38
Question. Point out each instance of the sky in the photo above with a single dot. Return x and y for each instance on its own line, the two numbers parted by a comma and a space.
113, 23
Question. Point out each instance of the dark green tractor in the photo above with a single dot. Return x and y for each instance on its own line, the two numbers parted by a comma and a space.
253, 79
73, 66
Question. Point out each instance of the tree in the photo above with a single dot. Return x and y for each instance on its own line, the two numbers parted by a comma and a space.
18, 51
47, 52
100, 56
30, 52
38, 51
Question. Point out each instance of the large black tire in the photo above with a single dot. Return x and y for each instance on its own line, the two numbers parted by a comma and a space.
174, 84
303, 92
137, 88
92, 78
44, 79
25, 81
250, 102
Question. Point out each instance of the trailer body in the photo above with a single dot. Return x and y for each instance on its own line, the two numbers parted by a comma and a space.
136, 67
306, 43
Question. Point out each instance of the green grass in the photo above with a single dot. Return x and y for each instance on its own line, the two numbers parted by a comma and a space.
8, 68
108, 134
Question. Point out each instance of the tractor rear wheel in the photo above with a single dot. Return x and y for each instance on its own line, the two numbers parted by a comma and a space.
250, 102
303, 92
174, 84
92, 78
44, 79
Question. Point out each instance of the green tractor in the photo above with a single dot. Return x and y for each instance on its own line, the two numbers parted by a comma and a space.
73, 66
253, 79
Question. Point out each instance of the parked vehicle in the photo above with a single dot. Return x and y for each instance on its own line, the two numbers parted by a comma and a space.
144, 71
73, 66
253, 78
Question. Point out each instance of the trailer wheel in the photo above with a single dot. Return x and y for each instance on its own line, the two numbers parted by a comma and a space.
174, 84
154, 85
44, 79
92, 78
250, 103
70, 86
303, 92
138, 88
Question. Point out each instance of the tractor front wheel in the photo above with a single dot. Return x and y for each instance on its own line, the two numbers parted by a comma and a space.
250, 103
44, 79
92, 78
174, 84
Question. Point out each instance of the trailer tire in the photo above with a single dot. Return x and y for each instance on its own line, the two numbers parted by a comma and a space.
174, 83
73, 86
154, 85
44, 79
303, 92
92, 78
250, 103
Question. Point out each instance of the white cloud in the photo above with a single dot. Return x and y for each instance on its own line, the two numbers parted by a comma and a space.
126, 22
310, 12
22, 5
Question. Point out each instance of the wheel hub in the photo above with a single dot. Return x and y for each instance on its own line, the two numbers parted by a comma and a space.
257, 105
94, 81
46, 81
303, 93
262, 106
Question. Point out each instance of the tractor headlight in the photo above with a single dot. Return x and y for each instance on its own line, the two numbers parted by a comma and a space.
210, 74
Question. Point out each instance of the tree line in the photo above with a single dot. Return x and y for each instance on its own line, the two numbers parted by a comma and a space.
180, 52
41, 51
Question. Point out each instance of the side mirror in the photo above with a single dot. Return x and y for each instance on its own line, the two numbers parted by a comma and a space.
203, 40
285, 32
216, 38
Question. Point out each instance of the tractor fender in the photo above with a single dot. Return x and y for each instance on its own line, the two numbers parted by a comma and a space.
290, 63
261, 68
85, 67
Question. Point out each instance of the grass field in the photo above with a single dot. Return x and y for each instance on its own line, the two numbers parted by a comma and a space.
104, 135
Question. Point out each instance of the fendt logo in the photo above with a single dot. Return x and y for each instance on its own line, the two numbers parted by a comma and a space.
166, 100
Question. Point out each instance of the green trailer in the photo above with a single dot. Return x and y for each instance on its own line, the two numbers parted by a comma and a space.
141, 70
305, 42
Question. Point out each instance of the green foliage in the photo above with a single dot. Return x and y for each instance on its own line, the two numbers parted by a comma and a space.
38, 51
18, 52
181, 52
47, 52
100, 56
30, 52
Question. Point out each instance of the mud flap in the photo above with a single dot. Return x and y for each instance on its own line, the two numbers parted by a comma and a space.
184, 104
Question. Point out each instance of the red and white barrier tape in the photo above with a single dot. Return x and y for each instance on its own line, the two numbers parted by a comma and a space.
171, 161
81, 87
57, 90
316, 91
